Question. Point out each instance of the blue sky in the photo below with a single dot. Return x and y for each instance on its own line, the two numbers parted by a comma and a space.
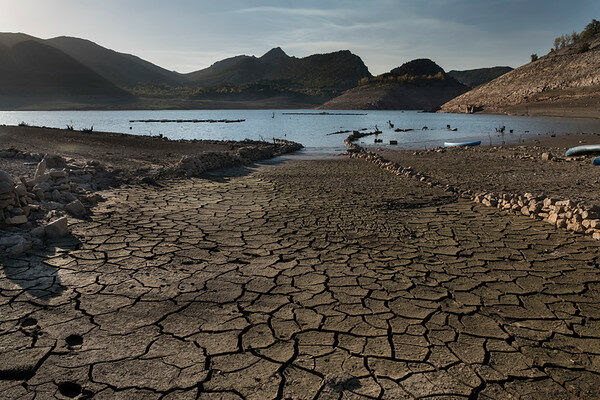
187, 35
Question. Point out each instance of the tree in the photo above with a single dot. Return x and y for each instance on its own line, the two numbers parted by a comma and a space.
534, 57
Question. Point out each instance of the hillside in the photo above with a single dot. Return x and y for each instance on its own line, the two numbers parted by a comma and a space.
333, 72
34, 73
417, 85
566, 82
476, 77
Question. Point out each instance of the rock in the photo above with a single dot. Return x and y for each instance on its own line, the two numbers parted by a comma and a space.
6, 187
55, 161
21, 247
10, 240
16, 220
548, 202
76, 208
56, 196
546, 157
40, 170
575, 227
38, 232
5, 177
21, 190
57, 228
68, 196
58, 174
591, 223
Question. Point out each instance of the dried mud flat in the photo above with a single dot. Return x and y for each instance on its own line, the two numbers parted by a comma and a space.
321, 279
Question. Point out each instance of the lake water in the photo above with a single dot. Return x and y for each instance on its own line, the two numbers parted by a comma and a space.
310, 130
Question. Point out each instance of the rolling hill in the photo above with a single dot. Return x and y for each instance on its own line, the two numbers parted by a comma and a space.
417, 85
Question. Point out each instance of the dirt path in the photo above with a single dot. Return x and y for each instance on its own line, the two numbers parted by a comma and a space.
313, 279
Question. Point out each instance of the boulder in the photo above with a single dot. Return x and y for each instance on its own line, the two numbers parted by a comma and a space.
5, 177
38, 232
6, 187
57, 228
76, 208
21, 247
21, 190
16, 220
55, 161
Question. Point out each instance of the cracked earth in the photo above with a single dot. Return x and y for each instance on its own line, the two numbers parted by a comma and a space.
311, 279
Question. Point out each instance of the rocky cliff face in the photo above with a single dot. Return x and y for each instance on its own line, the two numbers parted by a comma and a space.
565, 82
417, 85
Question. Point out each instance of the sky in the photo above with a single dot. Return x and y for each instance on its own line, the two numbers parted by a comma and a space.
187, 35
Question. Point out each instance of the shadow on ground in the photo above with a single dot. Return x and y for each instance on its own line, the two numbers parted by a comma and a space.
32, 273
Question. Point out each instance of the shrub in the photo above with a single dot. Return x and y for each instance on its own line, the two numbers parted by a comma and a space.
534, 57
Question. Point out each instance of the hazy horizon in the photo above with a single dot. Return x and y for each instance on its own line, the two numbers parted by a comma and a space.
185, 36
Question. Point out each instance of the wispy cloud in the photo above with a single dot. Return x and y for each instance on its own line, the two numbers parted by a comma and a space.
305, 12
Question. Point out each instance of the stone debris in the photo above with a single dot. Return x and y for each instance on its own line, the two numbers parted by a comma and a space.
196, 165
28, 204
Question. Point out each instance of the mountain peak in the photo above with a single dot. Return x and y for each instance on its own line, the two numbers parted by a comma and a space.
275, 53
420, 66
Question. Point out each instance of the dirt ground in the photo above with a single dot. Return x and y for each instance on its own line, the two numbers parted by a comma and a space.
516, 168
312, 279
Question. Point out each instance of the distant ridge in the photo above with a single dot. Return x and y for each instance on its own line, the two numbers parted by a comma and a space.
416, 85
273, 80
476, 77
333, 72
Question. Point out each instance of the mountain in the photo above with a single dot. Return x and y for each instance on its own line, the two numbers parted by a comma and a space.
122, 69
32, 72
566, 82
476, 77
332, 72
417, 85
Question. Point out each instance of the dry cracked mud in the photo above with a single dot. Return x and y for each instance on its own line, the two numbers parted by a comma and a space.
312, 279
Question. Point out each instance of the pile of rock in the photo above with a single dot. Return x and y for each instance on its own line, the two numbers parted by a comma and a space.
33, 208
564, 214
196, 165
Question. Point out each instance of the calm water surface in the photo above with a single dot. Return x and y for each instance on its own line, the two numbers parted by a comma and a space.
310, 130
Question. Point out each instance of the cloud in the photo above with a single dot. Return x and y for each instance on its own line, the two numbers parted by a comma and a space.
304, 12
